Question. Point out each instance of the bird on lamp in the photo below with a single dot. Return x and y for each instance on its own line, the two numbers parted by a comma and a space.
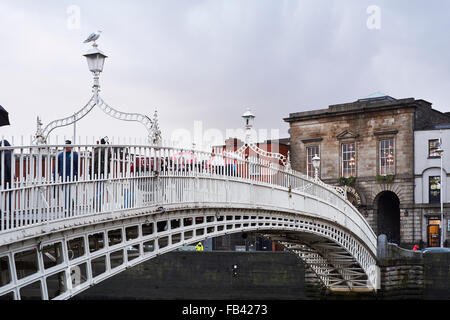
93, 37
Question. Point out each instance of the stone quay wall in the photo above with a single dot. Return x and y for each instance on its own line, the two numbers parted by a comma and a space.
407, 274
182, 275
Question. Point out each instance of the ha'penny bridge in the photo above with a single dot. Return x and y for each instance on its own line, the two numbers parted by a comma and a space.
74, 215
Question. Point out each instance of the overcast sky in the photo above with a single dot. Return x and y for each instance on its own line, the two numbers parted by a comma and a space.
207, 60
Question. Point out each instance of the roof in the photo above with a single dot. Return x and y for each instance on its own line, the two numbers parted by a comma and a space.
377, 96
238, 142
248, 113
375, 102
426, 118
285, 141
93, 51
442, 126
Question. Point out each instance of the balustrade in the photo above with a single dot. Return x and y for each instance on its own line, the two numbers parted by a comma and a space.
54, 182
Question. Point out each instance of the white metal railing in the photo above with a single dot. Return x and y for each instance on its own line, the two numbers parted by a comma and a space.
46, 183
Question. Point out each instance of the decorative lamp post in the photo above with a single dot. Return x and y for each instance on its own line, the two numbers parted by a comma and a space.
316, 165
275, 157
95, 60
440, 151
249, 118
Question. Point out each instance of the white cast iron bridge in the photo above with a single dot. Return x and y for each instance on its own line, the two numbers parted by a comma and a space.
71, 218
62, 232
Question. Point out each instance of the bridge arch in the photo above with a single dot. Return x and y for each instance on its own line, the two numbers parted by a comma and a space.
69, 262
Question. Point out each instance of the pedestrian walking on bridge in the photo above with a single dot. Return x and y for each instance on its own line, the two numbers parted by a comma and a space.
68, 171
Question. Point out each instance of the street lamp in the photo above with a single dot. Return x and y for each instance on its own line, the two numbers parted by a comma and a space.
95, 59
316, 165
249, 118
440, 151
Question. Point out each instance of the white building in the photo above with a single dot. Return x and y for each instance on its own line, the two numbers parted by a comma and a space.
428, 186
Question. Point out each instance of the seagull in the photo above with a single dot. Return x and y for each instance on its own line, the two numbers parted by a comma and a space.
94, 36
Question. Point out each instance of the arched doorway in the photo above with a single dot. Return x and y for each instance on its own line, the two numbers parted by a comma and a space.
388, 212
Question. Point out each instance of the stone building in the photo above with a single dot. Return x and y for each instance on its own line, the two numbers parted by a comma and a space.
367, 146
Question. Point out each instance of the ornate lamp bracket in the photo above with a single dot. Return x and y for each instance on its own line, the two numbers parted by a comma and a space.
95, 62
252, 146
152, 126
42, 134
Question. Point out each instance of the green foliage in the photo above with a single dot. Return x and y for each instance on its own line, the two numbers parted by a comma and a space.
387, 178
350, 181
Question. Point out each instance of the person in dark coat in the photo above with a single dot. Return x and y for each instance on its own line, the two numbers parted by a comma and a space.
99, 161
68, 161
5, 174
5, 165
100, 153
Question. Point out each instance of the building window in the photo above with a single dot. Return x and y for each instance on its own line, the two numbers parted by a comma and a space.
433, 145
310, 153
387, 157
348, 160
434, 189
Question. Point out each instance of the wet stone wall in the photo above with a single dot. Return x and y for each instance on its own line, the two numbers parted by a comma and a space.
269, 275
207, 276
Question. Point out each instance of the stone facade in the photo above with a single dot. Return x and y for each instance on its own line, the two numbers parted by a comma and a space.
366, 124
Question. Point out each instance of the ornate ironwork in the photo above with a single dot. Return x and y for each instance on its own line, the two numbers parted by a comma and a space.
154, 133
248, 117
42, 134
252, 146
